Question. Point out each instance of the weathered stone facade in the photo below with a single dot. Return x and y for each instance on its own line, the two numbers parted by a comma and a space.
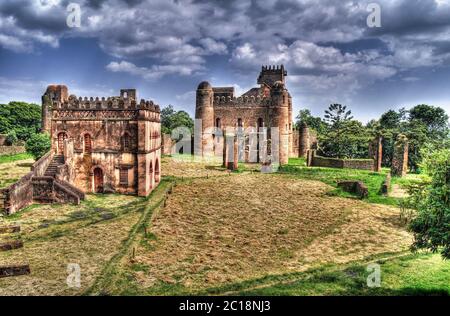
269, 105
115, 142
376, 152
399, 166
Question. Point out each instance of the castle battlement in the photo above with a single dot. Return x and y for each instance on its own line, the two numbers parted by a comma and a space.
242, 101
104, 103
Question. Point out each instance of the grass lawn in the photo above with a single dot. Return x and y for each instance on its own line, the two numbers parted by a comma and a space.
13, 167
373, 180
12, 158
413, 274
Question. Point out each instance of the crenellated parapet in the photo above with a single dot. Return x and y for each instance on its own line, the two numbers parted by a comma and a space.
109, 103
242, 101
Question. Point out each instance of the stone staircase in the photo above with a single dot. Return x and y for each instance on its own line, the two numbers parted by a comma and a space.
57, 160
48, 189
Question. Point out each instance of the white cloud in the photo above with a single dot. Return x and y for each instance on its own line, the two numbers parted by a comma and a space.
155, 72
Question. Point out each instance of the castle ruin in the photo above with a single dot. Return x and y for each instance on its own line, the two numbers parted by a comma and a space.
267, 106
108, 145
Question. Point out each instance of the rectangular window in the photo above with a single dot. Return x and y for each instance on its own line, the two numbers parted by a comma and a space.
124, 176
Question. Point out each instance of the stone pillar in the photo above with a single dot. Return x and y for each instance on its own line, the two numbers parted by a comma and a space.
376, 153
304, 144
400, 158
231, 152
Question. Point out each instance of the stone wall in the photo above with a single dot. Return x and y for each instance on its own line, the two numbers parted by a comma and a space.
2, 139
309, 140
167, 143
17, 195
12, 150
41, 165
400, 158
318, 161
20, 194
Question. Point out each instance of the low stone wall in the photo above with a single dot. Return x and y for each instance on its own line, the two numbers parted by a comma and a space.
41, 165
318, 161
20, 194
12, 150
17, 195
356, 187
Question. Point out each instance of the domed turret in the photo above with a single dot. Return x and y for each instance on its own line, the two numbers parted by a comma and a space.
204, 85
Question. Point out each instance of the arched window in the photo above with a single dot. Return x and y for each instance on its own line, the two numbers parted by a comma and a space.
157, 171
151, 174
218, 122
61, 137
126, 142
240, 122
87, 144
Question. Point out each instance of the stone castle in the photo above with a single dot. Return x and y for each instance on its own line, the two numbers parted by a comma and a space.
269, 105
107, 145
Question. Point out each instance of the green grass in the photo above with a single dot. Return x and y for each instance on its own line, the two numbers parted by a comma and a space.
414, 274
373, 180
12, 158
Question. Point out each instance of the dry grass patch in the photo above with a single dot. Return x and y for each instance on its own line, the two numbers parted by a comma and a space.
56, 235
10, 172
227, 229
185, 166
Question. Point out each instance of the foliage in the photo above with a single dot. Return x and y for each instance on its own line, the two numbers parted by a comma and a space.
171, 119
38, 145
337, 114
431, 227
11, 138
348, 140
344, 137
22, 118
314, 123
423, 125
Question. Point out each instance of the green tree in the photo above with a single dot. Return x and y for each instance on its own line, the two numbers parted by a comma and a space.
431, 226
349, 141
11, 138
38, 145
313, 122
171, 119
344, 137
433, 118
23, 118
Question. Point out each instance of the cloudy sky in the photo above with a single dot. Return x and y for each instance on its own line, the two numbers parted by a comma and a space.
165, 48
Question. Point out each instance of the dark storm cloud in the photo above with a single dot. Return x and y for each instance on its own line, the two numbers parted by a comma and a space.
326, 45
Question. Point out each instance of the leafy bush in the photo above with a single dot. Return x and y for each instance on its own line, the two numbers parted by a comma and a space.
23, 118
38, 145
431, 226
11, 138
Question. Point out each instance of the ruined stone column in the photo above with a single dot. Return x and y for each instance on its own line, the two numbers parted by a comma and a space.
376, 153
304, 144
231, 152
399, 166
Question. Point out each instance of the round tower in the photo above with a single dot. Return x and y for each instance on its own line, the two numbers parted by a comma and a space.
304, 144
54, 93
204, 111
280, 103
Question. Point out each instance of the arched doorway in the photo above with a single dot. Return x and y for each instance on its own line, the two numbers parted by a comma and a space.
157, 171
98, 180
87, 144
61, 137
151, 174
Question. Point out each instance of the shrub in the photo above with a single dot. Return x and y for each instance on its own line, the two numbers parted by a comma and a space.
38, 145
431, 225
11, 138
